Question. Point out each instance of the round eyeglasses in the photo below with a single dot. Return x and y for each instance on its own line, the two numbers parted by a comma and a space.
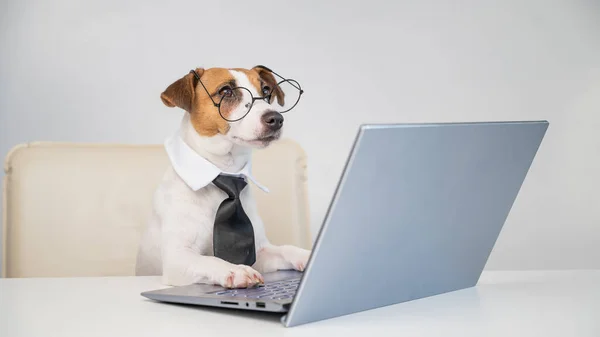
282, 97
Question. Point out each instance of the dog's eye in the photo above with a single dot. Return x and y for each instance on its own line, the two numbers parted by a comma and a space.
226, 92
266, 90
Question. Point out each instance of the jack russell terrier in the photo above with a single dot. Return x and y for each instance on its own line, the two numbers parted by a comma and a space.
205, 226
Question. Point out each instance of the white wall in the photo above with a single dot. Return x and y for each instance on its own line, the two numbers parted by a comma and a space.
93, 71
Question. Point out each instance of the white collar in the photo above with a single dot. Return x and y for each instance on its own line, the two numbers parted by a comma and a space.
195, 170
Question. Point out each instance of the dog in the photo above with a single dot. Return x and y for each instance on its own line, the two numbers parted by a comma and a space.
178, 241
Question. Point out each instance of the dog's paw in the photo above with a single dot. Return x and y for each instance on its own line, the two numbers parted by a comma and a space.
241, 276
297, 257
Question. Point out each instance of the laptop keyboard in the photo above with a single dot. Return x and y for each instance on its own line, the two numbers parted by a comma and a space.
280, 290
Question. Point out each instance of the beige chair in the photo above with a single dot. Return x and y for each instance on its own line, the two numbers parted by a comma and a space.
79, 209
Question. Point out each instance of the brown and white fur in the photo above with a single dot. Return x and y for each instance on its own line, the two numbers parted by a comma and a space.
177, 243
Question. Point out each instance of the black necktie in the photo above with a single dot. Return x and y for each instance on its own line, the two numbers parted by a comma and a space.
233, 235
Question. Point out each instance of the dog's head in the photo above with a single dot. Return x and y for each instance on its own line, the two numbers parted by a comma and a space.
241, 104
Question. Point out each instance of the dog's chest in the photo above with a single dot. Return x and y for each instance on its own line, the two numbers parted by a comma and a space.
205, 207
197, 211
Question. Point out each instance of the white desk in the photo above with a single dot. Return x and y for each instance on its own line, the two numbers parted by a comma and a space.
503, 304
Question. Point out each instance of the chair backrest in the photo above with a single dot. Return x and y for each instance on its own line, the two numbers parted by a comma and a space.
75, 209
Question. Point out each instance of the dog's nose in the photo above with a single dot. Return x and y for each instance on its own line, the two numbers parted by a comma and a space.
273, 120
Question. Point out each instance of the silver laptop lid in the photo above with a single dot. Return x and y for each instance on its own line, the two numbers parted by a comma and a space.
416, 213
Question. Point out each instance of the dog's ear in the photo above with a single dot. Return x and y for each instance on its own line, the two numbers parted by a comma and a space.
181, 92
266, 75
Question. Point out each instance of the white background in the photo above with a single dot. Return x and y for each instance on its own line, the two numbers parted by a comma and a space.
93, 71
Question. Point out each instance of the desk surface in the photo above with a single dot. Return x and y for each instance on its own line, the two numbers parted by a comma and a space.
548, 303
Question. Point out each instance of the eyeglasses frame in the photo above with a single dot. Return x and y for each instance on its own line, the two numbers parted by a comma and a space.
292, 82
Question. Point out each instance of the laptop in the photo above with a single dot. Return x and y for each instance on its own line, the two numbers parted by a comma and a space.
415, 214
